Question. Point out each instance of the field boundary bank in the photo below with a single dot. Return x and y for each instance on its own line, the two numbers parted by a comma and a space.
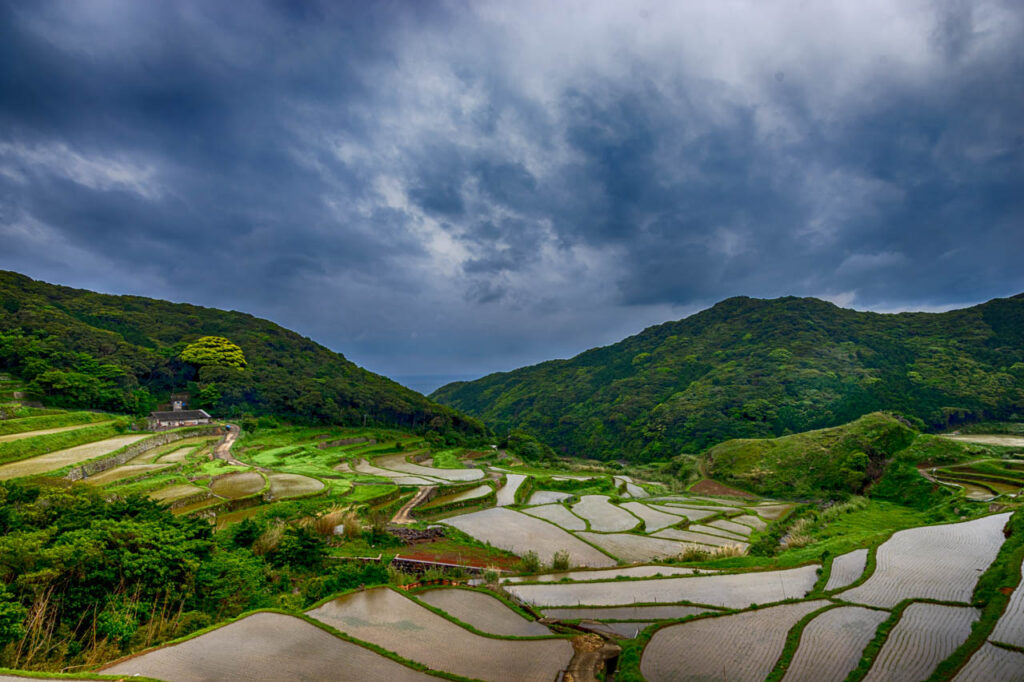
128, 452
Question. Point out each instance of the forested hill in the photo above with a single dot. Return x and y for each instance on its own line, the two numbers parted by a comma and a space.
753, 368
122, 353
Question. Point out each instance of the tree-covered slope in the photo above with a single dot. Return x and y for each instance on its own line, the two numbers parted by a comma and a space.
123, 353
758, 368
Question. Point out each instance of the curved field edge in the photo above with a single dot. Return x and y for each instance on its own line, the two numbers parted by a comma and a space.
419, 667
42, 675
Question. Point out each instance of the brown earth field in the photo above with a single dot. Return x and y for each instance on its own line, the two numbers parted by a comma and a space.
709, 487
446, 551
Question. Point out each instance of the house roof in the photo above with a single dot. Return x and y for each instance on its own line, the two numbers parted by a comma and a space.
179, 415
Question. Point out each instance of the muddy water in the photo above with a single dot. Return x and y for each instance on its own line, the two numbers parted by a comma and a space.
242, 484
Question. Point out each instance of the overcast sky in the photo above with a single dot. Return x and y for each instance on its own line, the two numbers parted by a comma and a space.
446, 188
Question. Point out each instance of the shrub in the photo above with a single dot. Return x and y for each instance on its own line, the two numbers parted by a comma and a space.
560, 562
530, 562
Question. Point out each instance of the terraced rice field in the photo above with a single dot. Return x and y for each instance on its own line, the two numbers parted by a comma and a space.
736, 591
62, 458
750, 520
990, 439
42, 432
714, 530
699, 538
632, 489
399, 463
460, 496
772, 511
175, 492
625, 612
991, 663
687, 512
739, 647
604, 516
400, 478
266, 646
558, 515
846, 568
932, 562
925, 636
653, 518
292, 485
483, 612
731, 527
832, 643
1010, 628
507, 494
519, 533
633, 548
547, 497
122, 472
608, 574
241, 484
389, 620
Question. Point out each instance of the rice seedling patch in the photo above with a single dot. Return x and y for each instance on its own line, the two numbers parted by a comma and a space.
739, 647
392, 621
924, 636
932, 562
265, 646
831, 645
735, 591
483, 612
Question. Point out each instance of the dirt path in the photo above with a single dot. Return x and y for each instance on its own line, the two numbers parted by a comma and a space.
590, 654
223, 449
404, 515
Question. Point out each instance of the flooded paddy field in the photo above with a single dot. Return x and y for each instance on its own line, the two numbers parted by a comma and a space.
390, 620
698, 538
740, 648
238, 485
731, 527
507, 494
832, 643
520, 533
62, 458
266, 646
991, 663
633, 548
846, 568
483, 611
628, 613
924, 636
124, 472
292, 485
548, 497
558, 515
176, 492
604, 516
932, 562
738, 590
1010, 627
609, 574
653, 519
689, 513
399, 463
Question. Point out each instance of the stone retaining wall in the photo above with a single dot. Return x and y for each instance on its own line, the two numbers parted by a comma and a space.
119, 457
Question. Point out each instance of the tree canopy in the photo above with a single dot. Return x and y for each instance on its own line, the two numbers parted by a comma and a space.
215, 351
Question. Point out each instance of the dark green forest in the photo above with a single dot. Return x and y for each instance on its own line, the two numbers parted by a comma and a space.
76, 348
751, 368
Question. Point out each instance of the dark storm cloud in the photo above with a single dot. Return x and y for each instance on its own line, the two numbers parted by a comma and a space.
452, 187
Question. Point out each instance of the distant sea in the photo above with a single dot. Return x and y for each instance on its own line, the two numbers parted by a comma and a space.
427, 383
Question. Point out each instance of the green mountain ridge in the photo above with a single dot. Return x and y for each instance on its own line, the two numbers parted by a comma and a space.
754, 368
77, 348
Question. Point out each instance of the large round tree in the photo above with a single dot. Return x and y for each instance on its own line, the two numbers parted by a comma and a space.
214, 351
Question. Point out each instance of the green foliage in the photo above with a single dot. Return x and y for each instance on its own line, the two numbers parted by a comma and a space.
750, 368
528, 448
50, 421
560, 561
301, 548
77, 348
836, 461
530, 562
12, 614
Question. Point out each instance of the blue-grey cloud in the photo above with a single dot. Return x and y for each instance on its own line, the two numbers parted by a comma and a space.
460, 187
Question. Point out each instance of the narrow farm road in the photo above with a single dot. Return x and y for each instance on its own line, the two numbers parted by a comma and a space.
223, 449
404, 515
